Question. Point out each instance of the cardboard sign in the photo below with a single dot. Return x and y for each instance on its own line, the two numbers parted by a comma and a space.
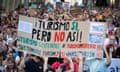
59, 38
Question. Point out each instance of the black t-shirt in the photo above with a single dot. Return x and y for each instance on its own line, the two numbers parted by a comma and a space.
32, 66
50, 70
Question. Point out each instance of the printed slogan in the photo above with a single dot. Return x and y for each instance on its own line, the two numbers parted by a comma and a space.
59, 38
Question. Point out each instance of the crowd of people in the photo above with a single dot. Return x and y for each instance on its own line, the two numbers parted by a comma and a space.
12, 60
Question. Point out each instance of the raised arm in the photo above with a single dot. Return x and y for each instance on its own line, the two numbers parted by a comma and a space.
108, 56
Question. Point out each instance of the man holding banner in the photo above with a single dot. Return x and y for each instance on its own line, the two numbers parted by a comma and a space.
99, 64
34, 64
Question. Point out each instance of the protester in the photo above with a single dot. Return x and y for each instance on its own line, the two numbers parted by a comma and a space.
34, 64
65, 67
61, 67
99, 64
85, 66
21, 63
55, 65
11, 65
76, 61
118, 52
2, 68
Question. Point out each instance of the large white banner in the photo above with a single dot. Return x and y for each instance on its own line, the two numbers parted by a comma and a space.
60, 38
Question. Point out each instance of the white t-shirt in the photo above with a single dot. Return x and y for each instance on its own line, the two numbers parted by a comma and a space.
106, 41
2, 69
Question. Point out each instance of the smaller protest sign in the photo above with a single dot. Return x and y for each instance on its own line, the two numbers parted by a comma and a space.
34, 6
66, 5
22, 27
58, 5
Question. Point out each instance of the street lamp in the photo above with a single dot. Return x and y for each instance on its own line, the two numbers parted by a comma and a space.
112, 3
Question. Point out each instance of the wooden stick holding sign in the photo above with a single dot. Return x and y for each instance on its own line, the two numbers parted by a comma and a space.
71, 65
45, 63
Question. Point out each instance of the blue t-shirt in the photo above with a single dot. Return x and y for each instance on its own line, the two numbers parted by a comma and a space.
96, 65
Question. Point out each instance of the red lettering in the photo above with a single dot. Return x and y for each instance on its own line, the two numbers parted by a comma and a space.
84, 45
99, 46
59, 36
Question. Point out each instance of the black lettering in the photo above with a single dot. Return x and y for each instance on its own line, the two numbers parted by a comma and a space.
34, 31
69, 37
49, 26
74, 36
62, 24
80, 37
77, 36
56, 26
117, 69
40, 24
43, 25
44, 34
49, 36
38, 35
67, 26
